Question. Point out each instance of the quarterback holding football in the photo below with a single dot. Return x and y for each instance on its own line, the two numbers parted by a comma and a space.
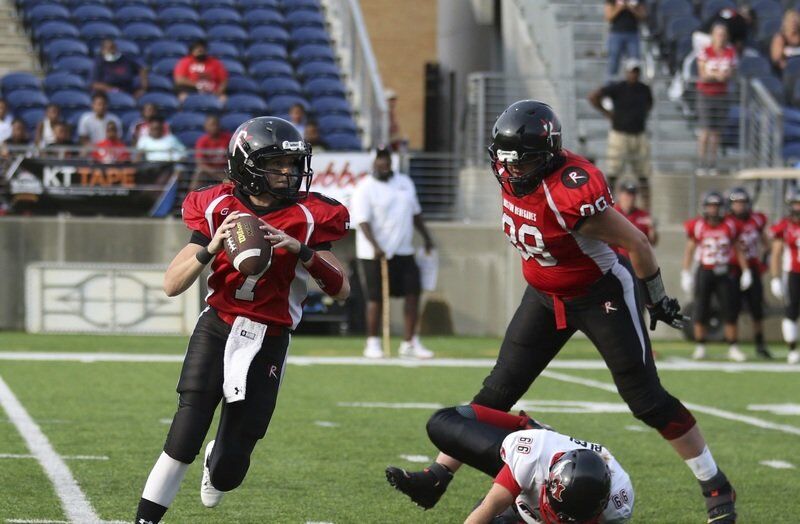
264, 235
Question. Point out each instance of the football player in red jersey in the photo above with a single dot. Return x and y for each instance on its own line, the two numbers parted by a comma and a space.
558, 212
753, 242
237, 352
627, 190
785, 269
712, 242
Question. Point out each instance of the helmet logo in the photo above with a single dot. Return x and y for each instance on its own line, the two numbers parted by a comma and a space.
556, 487
294, 146
241, 142
548, 131
507, 156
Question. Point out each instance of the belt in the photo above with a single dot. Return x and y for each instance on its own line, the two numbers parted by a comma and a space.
272, 331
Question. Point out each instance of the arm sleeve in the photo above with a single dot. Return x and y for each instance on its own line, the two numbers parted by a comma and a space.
199, 239
193, 214
576, 204
506, 479
331, 220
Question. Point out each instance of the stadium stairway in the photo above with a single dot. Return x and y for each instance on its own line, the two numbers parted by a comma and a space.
16, 52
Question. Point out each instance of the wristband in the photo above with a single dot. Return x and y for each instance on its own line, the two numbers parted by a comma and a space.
305, 254
204, 256
654, 286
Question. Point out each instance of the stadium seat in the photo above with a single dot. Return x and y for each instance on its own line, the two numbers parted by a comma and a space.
309, 35
329, 105
55, 30
239, 84
228, 33
791, 151
201, 103
119, 101
767, 9
273, 34
32, 117
669, 9
332, 124
311, 70
302, 5
247, 5
224, 50
119, 4
218, 15
187, 33
233, 66
17, 81
325, 87
301, 18
157, 83
766, 29
165, 49
264, 51
79, 65
178, 15
71, 101
775, 88
128, 47
55, 49
264, 17
142, 32
166, 103
92, 13
165, 66
189, 138
22, 99
215, 4
186, 121
270, 68
343, 142
712, 7
244, 103
46, 13
681, 26
281, 86
282, 103
128, 118
313, 53
754, 66
135, 13
175, 3
58, 81
94, 32
230, 121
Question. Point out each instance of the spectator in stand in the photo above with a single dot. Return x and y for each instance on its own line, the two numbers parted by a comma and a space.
5, 121
45, 133
18, 141
312, 136
716, 65
297, 116
62, 146
397, 140
198, 72
739, 22
786, 42
210, 153
112, 150
628, 143
159, 145
623, 17
92, 125
115, 71
141, 127
626, 205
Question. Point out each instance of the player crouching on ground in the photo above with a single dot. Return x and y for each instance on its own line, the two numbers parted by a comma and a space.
539, 475
786, 257
239, 345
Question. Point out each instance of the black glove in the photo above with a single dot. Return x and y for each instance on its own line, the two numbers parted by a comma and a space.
666, 310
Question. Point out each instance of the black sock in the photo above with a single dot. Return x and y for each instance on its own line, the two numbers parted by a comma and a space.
441, 472
792, 346
717, 490
149, 512
759, 338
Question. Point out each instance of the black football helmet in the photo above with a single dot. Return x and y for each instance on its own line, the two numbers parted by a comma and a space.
740, 194
577, 488
711, 199
526, 136
259, 140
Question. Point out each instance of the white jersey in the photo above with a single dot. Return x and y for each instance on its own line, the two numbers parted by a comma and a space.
529, 453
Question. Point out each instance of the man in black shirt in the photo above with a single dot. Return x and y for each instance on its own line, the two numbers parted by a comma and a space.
627, 138
623, 17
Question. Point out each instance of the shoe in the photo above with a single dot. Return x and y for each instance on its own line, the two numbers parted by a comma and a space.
425, 487
735, 354
373, 349
713, 171
793, 357
209, 495
701, 171
414, 349
699, 353
724, 512
763, 352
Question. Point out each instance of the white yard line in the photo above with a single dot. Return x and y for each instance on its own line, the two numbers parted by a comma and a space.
777, 464
65, 457
35, 521
76, 506
587, 364
391, 405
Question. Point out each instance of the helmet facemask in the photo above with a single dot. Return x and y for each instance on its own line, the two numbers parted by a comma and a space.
261, 173
519, 175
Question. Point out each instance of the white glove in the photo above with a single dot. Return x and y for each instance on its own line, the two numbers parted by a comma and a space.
746, 280
687, 281
776, 287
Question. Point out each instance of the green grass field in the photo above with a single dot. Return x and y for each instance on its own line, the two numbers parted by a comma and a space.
323, 461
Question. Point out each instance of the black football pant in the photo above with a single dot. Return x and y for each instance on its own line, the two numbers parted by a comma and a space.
792, 310
754, 295
241, 423
610, 316
724, 286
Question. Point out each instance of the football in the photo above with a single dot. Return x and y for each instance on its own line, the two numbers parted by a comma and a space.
247, 249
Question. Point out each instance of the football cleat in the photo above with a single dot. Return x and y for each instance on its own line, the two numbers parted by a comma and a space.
793, 357
735, 354
721, 504
723, 514
414, 349
763, 352
699, 353
209, 495
425, 487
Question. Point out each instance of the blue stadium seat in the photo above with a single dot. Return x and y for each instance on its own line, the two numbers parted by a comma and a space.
79, 65
73, 4
264, 17
128, 118
775, 88
119, 4
22, 99
247, 5
128, 47
767, 9
332, 124
165, 66
273, 34
281, 86
325, 87
242, 84
309, 35
668, 9
186, 121
93, 32
264, 51
119, 101
135, 13
165, 49
189, 138
218, 15
71, 101
224, 50
270, 68
187, 33
233, 66
680, 27
166, 103
175, 3
178, 15
282, 103
228, 33
310, 70
55, 30
18, 81
230, 121
330, 105
202, 103
791, 150
313, 53
343, 142
157, 83
301, 5
55, 49
754, 66
244, 103
212, 4
142, 32
712, 7
92, 13
766, 29
32, 117
46, 13
301, 18
58, 81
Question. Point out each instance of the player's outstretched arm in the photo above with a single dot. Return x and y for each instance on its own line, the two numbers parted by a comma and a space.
495, 502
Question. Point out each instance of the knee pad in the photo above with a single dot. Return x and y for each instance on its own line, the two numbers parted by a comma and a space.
189, 426
789, 330
670, 418
501, 398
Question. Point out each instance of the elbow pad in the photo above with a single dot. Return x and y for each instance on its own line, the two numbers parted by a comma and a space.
329, 278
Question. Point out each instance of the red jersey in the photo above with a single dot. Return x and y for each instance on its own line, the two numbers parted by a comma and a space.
276, 296
207, 74
556, 258
750, 231
213, 151
714, 242
716, 62
788, 231
108, 152
639, 218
